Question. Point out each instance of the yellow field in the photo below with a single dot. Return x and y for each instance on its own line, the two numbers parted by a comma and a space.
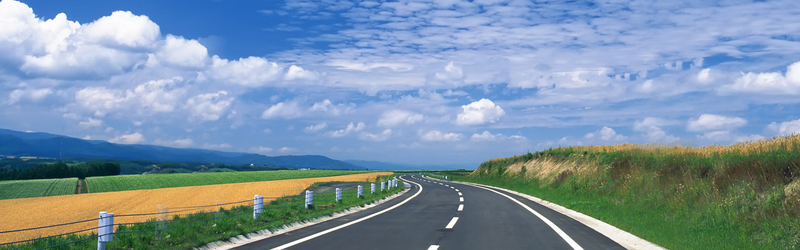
43, 211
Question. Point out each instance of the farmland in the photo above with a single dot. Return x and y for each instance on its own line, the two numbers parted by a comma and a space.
67, 208
37, 188
139, 182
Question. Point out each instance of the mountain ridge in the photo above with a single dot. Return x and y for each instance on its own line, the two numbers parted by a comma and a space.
41, 144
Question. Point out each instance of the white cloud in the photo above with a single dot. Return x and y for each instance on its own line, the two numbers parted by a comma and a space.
179, 143
283, 110
394, 117
33, 95
485, 136
134, 138
366, 136
606, 134
184, 53
451, 73
209, 107
704, 76
480, 112
261, 150
436, 135
250, 71
347, 130
91, 122
710, 122
329, 108
651, 126
785, 128
750, 138
156, 96
317, 127
298, 73
285, 150
217, 146
768, 83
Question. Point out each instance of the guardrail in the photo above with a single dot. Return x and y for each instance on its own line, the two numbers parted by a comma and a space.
106, 226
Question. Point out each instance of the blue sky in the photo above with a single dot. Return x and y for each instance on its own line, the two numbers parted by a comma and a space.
418, 82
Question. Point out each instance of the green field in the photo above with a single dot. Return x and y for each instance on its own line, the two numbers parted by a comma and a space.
137, 182
37, 188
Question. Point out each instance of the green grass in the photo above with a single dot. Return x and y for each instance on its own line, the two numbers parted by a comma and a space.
187, 232
37, 188
676, 198
137, 182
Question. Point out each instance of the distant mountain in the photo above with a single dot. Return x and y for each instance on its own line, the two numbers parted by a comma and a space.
49, 145
378, 165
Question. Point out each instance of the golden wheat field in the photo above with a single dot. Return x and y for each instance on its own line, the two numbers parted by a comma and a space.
43, 211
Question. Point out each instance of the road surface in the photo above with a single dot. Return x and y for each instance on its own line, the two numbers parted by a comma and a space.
443, 215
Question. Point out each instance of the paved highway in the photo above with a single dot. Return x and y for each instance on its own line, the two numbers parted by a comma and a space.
444, 215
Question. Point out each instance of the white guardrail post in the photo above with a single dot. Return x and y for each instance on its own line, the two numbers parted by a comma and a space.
360, 191
383, 184
372, 188
338, 194
309, 198
258, 206
105, 230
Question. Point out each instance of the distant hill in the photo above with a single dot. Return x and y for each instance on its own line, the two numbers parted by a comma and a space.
378, 165
49, 145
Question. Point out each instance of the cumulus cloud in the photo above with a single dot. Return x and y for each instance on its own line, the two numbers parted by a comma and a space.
209, 107
366, 136
285, 110
285, 150
317, 127
774, 83
298, 73
605, 134
436, 135
217, 146
479, 112
91, 122
329, 108
488, 136
347, 130
134, 138
261, 150
394, 117
182, 52
179, 143
651, 126
785, 128
31, 94
710, 122
156, 96
451, 73
251, 71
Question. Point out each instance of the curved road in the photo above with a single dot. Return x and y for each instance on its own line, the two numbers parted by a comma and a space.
443, 215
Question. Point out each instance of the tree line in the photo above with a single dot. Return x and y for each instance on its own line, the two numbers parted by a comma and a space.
61, 170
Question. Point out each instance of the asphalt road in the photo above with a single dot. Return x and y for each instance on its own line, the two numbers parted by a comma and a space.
425, 218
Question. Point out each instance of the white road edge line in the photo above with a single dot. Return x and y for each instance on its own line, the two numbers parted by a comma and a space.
460, 207
561, 233
433, 247
452, 223
307, 238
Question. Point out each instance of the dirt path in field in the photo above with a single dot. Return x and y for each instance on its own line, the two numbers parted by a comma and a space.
16, 213
79, 187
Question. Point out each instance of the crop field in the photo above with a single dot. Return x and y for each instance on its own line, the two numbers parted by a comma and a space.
37, 188
43, 211
139, 182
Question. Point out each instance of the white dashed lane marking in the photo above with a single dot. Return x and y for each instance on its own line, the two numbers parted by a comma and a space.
461, 207
452, 223
433, 247
461, 199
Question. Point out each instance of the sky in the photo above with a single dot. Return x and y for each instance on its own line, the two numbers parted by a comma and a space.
414, 82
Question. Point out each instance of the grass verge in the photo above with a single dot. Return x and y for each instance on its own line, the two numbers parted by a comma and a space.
187, 232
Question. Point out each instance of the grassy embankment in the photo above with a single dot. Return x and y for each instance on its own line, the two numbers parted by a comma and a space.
742, 196
187, 232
